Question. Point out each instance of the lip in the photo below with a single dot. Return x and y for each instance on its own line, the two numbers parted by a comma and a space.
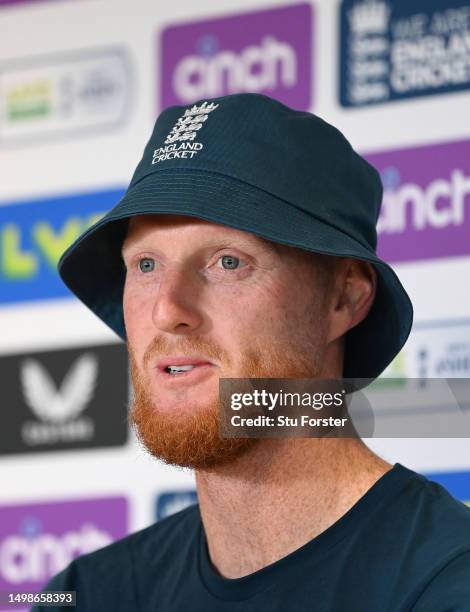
182, 360
201, 371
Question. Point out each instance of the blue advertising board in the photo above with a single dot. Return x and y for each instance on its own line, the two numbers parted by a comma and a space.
33, 236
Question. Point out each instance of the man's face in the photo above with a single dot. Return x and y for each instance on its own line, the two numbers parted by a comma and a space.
213, 302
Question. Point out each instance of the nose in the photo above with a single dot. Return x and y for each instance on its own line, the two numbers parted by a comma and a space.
176, 309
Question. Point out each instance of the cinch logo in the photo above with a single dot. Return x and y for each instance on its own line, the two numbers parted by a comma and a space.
425, 205
260, 67
24, 559
439, 204
39, 540
33, 236
266, 52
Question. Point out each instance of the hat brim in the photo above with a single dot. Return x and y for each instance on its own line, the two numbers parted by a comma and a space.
93, 270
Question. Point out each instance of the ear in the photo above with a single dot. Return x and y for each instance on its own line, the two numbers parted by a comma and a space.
353, 294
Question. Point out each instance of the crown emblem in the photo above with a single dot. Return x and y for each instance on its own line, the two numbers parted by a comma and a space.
190, 123
369, 17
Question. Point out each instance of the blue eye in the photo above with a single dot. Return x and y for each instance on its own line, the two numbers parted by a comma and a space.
229, 262
146, 264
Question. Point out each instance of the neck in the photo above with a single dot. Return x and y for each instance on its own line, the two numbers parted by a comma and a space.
278, 496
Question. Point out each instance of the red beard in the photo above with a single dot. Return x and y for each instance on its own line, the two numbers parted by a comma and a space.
192, 439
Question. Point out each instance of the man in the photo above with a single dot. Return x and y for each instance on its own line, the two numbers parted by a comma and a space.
244, 247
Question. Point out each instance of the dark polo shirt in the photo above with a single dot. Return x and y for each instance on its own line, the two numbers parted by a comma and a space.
404, 546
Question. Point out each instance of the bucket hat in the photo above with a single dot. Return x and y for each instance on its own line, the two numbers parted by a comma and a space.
251, 163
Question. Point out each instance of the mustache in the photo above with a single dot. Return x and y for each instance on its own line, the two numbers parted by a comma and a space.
161, 346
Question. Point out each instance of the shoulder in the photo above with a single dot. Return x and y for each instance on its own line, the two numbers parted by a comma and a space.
112, 569
435, 541
436, 511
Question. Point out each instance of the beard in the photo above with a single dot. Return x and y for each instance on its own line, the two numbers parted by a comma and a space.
191, 439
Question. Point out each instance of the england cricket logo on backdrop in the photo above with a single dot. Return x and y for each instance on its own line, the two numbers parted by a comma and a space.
184, 131
400, 50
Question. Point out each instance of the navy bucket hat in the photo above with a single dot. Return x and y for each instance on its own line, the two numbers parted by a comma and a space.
248, 162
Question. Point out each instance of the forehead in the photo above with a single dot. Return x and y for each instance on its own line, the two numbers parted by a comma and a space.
144, 227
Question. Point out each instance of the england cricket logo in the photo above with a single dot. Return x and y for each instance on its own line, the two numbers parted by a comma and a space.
184, 131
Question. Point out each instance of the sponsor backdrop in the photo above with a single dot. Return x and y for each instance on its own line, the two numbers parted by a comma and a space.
80, 86
37, 539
